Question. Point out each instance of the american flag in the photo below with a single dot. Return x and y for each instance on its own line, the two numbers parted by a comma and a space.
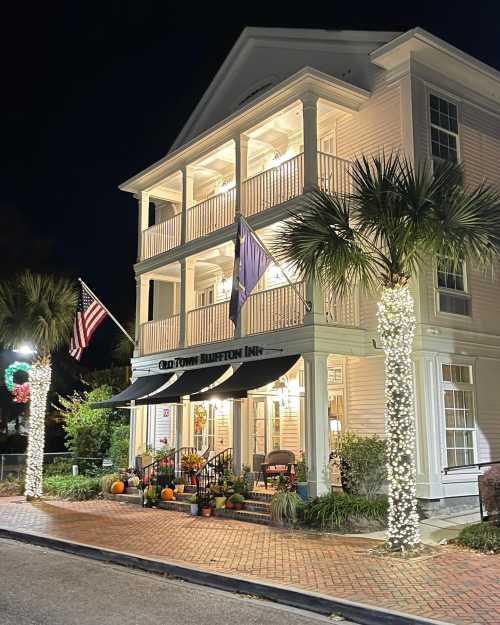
89, 314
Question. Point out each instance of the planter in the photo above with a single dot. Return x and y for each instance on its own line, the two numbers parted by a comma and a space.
229, 505
303, 490
193, 480
194, 509
179, 488
206, 511
238, 506
148, 504
219, 502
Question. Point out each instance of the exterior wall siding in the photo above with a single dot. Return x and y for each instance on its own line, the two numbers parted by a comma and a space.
365, 395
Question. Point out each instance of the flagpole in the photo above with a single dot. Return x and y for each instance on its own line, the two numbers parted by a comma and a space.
263, 246
90, 292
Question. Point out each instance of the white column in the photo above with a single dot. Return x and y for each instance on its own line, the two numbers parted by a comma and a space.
141, 309
187, 200
241, 164
187, 297
310, 130
315, 296
237, 432
179, 426
132, 436
143, 221
428, 432
316, 422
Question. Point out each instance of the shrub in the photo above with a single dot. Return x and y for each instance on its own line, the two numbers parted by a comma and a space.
78, 487
237, 498
10, 488
481, 536
285, 507
489, 489
107, 480
362, 464
341, 510
118, 449
59, 466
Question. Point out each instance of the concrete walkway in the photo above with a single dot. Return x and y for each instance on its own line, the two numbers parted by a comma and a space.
453, 585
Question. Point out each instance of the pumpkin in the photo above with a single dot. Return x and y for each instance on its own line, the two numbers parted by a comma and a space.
133, 481
167, 494
117, 487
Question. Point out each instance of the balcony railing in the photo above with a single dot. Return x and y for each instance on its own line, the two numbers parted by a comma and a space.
208, 324
161, 237
273, 186
341, 311
333, 174
210, 215
159, 336
275, 309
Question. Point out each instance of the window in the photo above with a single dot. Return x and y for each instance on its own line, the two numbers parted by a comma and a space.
459, 414
444, 129
276, 426
451, 283
335, 375
205, 297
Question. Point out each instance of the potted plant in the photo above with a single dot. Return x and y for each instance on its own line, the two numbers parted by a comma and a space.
180, 484
237, 501
146, 456
193, 503
217, 492
190, 464
301, 475
150, 497
204, 504
248, 477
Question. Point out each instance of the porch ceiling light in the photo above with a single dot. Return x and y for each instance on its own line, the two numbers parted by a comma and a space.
25, 350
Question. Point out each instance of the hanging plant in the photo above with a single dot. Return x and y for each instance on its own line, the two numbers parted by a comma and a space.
20, 392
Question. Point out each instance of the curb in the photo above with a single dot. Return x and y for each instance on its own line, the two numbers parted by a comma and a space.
287, 595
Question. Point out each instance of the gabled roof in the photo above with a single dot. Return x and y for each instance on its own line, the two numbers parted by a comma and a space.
263, 57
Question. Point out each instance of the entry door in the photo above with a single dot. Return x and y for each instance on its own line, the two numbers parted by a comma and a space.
259, 426
204, 426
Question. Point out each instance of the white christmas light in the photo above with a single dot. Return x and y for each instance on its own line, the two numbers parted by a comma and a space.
39, 381
396, 321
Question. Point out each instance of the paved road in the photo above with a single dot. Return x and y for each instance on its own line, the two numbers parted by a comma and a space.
43, 587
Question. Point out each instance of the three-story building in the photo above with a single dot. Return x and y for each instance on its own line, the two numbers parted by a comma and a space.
288, 111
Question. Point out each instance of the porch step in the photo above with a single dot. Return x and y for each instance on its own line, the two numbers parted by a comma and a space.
134, 498
254, 505
179, 506
258, 495
249, 516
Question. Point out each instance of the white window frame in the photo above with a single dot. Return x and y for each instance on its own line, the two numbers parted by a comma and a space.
449, 100
465, 293
458, 386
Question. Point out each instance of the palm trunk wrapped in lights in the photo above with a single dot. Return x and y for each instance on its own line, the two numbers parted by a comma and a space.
39, 380
396, 321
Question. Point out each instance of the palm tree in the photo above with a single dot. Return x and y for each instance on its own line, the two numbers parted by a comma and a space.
396, 217
37, 309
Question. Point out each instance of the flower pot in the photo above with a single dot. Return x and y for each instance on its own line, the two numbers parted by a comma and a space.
219, 502
238, 506
193, 480
229, 505
194, 509
148, 503
179, 488
303, 490
206, 511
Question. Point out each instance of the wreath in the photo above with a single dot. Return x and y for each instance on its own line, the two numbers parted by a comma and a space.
200, 418
20, 392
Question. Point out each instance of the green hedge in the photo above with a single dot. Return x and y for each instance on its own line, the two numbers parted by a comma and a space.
342, 511
78, 487
481, 536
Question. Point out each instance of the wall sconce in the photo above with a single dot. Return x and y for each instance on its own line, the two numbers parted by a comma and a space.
224, 287
226, 184
335, 426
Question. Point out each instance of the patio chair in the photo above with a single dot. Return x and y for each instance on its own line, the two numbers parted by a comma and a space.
278, 462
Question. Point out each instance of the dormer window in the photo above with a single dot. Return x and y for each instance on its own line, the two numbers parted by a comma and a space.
444, 129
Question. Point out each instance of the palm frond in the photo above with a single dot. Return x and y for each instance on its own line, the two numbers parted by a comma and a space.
320, 241
37, 308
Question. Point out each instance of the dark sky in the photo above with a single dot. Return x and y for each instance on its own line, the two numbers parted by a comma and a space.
95, 91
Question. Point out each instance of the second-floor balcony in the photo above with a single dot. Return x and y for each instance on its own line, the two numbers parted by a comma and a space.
263, 191
265, 311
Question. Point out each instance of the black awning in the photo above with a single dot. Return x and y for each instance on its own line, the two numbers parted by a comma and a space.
189, 382
141, 387
249, 376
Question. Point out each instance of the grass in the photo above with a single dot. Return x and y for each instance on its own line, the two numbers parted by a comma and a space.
481, 537
285, 507
342, 511
77, 488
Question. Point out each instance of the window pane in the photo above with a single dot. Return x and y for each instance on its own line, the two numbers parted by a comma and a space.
460, 456
446, 373
450, 455
469, 419
468, 439
459, 439
450, 419
450, 439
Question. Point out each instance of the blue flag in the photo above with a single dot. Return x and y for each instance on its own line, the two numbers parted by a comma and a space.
250, 263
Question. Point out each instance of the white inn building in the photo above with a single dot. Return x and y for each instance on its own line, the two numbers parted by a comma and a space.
288, 111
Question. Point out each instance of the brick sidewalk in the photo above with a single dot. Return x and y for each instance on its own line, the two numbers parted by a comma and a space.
455, 586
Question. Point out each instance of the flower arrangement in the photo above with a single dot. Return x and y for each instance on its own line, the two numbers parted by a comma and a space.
190, 463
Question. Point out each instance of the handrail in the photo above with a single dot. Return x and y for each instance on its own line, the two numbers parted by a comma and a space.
163, 472
212, 471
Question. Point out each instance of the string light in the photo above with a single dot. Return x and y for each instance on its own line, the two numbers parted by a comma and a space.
396, 321
39, 381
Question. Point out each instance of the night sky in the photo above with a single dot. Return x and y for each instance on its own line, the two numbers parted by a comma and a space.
94, 92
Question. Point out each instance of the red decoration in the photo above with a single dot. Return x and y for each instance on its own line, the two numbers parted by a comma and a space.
21, 393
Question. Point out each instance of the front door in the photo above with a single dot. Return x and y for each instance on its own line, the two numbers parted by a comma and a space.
204, 426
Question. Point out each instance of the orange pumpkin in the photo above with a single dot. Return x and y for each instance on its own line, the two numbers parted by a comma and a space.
167, 494
117, 487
